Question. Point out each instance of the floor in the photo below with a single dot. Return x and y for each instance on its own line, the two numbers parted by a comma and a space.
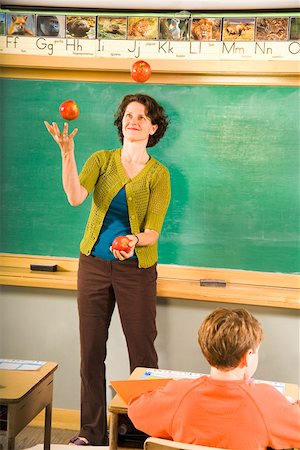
65, 447
32, 436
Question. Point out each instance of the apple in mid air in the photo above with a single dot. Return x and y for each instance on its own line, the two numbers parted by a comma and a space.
121, 243
69, 110
140, 71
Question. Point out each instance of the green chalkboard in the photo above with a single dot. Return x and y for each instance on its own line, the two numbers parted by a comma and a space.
232, 151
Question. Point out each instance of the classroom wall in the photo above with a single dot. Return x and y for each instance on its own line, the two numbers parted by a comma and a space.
43, 324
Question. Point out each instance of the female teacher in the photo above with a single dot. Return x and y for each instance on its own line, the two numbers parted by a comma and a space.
131, 194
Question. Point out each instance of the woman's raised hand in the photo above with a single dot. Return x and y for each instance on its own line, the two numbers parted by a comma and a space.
64, 140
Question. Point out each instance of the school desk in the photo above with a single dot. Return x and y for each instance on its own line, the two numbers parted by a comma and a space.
24, 393
118, 406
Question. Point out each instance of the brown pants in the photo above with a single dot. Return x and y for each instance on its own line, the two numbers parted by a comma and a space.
101, 284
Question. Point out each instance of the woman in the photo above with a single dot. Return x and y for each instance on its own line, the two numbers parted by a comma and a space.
131, 194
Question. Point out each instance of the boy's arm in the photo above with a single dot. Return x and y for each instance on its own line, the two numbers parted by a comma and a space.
282, 418
152, 412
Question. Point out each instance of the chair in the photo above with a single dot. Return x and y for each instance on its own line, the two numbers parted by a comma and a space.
152, 443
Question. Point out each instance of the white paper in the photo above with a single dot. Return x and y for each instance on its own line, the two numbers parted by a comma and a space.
20, 364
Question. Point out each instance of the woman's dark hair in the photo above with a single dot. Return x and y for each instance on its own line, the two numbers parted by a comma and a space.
154, 111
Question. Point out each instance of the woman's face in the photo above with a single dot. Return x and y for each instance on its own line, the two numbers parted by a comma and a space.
136, 125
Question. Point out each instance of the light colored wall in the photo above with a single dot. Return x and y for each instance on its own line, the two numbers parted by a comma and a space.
43, 324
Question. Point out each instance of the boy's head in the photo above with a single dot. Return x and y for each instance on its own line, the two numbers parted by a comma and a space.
226, 335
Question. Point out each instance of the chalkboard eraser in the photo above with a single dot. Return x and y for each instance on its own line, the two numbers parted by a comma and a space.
213, 283
44, 267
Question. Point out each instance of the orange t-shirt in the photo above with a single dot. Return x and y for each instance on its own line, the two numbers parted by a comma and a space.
227, 414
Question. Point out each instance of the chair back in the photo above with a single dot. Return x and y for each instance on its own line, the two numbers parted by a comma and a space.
152, 443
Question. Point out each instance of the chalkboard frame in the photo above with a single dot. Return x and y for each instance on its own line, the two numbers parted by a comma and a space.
57, 75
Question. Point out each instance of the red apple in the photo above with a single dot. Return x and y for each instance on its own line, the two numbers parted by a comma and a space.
69, 110
140, 71
121, 243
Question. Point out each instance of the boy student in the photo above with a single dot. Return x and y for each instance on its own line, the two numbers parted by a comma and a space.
225, 409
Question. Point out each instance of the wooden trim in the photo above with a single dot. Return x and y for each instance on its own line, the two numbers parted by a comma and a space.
285, 73
157, 65
183, 282
158, 78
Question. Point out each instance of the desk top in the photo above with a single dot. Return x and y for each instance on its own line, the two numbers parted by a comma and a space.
118, 406
15, 384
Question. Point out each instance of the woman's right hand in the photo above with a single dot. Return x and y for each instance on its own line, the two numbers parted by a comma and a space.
64, 140
75, 192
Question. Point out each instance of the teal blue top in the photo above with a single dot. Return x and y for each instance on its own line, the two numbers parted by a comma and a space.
116, 223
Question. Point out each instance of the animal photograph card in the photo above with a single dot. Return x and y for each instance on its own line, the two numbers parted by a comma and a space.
20, 24
173, 29
112, 27
295, 28
81, 27
272, 28
143, 28
206, 29
51, 26
238, 29
2, 24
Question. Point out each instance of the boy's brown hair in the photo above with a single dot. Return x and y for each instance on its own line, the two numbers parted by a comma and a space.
226, 335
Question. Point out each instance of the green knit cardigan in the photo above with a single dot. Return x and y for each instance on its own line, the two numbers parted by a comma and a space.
148, 197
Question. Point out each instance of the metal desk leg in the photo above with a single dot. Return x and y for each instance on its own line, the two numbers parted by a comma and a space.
47, 430
113, 431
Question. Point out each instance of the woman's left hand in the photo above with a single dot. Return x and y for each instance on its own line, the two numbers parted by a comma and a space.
121, 254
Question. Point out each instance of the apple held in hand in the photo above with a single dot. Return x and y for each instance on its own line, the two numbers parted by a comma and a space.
121, 243
140, 71
69, 110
